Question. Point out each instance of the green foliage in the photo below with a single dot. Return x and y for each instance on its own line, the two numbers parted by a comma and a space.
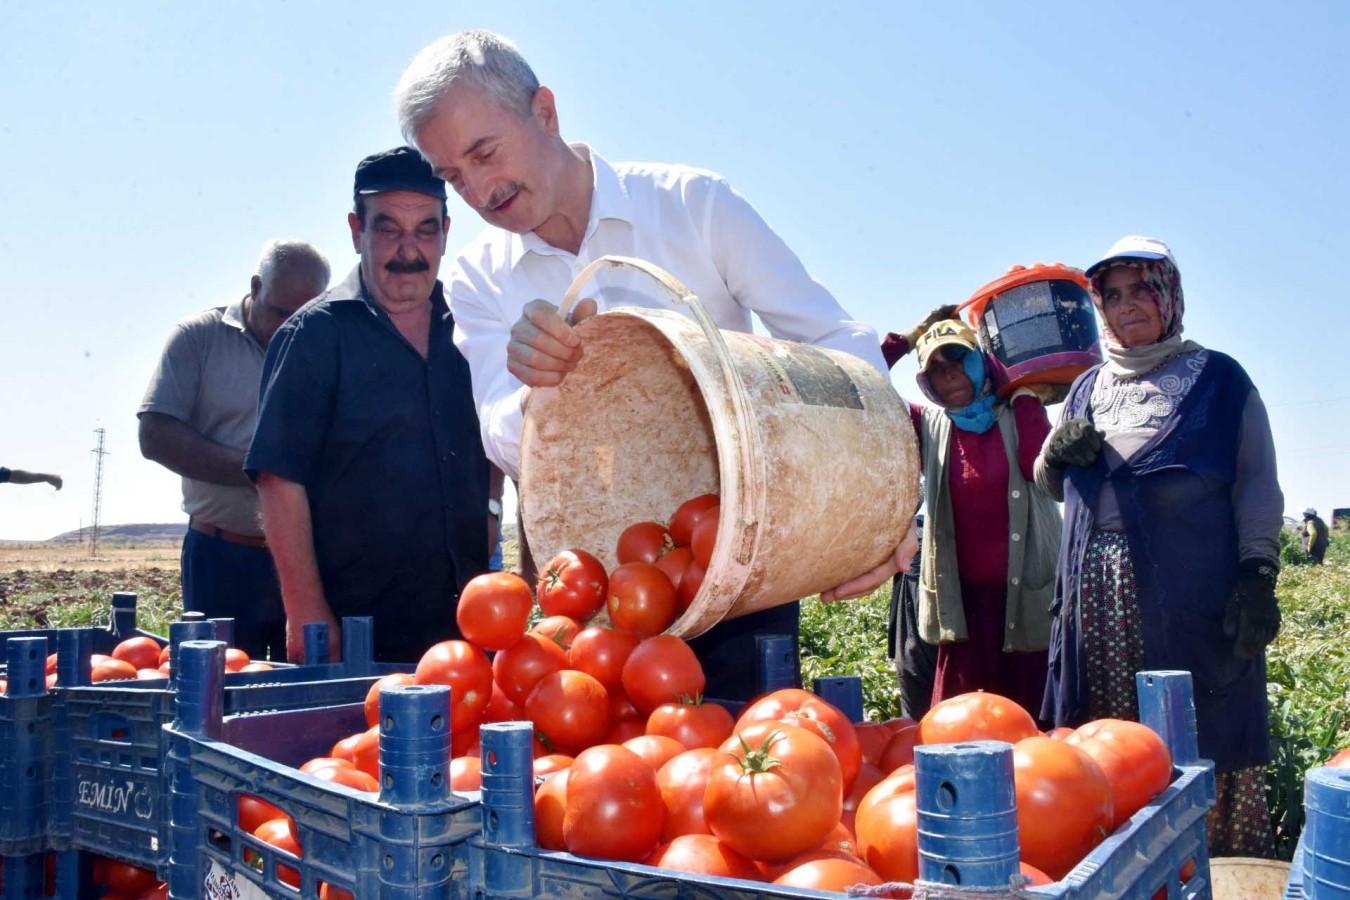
849, 638
67, 599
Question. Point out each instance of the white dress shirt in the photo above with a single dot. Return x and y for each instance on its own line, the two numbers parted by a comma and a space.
689, 222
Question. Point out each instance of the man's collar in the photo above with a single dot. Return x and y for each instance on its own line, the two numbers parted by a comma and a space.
234, 316
609, 200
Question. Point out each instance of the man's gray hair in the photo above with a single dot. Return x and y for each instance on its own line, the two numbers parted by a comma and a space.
481, 57
279, 254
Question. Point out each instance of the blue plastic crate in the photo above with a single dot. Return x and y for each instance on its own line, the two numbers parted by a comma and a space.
1324, 864
406, 842
25, 749
1293, 890
108, 795
1142, 856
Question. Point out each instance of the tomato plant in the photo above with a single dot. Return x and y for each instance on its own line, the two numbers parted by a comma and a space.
570, 708
1063, 803
494, 610
690, 513
641, 599
573, 584
1134, 759
643, 542
467, 671
774, 791
661, 669
614, 808
977, 716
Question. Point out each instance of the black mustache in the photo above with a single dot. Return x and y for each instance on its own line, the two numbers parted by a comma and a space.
406, 268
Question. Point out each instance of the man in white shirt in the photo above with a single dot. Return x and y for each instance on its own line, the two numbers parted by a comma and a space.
474, 108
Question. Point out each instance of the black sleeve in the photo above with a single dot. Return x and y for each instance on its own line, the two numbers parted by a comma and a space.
296, 398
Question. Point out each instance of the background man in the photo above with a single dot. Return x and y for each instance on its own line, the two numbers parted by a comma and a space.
475, 109
367, 456
19, 476
1316, 538
197, 420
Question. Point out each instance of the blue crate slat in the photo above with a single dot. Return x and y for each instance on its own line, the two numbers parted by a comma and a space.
24, 876
967, 813
25, 749
775, 661
1326, 834
1293, 890
845, 692
408, 841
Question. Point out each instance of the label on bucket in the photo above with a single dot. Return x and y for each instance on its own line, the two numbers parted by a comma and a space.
806, 375
221, 884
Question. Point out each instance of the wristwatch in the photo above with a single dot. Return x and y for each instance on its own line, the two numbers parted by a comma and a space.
495, 508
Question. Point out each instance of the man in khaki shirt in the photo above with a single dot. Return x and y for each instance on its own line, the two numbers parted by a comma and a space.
197, 420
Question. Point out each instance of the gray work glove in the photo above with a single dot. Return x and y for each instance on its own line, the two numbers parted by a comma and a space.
1073, 443
947, 311
1252, 616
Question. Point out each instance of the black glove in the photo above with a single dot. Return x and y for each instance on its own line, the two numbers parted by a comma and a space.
1073, 443
1252, 616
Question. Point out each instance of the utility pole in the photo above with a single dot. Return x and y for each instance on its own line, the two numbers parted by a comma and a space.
99, 453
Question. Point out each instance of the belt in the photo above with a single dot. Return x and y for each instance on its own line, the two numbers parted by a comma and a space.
232, 537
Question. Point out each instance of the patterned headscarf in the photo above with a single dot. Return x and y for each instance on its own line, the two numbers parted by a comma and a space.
1163, 281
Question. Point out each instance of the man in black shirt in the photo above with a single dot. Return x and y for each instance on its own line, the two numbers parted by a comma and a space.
367, 455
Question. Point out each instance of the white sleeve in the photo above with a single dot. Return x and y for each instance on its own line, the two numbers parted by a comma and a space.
766, 277
482, 333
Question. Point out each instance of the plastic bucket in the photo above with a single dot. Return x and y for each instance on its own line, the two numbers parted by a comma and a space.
812, 452
1038, 327
1326, 834
1243, 878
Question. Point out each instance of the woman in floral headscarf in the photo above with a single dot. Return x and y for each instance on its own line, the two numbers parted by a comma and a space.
1164, 459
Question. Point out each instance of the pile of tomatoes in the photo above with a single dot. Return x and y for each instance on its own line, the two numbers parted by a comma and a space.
142, 657
112, 880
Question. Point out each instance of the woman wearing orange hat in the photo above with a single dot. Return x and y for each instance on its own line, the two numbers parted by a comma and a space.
990, 536
1165, 461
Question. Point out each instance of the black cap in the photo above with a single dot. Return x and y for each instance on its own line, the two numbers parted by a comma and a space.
400, 169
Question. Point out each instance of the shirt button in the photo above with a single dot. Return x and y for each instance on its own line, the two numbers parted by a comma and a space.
1017, 495
1016, 580
444, 458
1016, 537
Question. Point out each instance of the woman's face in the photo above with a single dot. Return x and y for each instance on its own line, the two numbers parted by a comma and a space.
949, 381
1130, 307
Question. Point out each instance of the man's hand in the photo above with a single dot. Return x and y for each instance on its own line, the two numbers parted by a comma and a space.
55, 481
295, 635
868, 582
1252, 617
544, 346
1073, 443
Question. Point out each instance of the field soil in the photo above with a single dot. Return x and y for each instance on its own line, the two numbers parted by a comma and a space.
49, 557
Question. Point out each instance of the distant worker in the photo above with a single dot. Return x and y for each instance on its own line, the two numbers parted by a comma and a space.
197, 420
476, 110
377, 498
1315, 536
19, 476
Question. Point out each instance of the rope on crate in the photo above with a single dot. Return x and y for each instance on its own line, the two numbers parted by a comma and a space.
931, 890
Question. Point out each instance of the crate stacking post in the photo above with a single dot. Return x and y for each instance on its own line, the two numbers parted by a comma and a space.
1326, 835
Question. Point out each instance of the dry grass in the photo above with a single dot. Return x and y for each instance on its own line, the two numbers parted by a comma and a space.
41, 557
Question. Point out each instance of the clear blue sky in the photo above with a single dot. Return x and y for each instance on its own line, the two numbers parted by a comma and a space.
908, 151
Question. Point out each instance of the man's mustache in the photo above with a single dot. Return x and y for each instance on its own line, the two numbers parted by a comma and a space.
406, 267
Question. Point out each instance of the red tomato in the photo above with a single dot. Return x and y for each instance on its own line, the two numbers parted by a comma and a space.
828, 874
661, 669
1340, 760
1063, 803
1134, 759
570, 709
466, 773
331, 892
702, 854
254, 811
494, 610
692, 722
803, 709
348, 776
235, 659
51, 662
1036, 875
872, 738
105, 668
500, 708
682, 782
558, 629
899, 750
601, 653
888, 827
869, 776
773, 791
518, 668
690, 513
656, 750
1059, 733
366, 755
704, 539
141, 652
550, 808
641, 599
280, 833
899, 722
128, 879
977, 716
690, 582
621, 731
258, 667
614, 808
345, 749
325, 762
573, 584
373, 695
550, 763
467, 671
644, 542
165, 652
141, 675
674, 563
161, 892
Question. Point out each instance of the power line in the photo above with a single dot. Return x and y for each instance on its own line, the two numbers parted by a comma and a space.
99, 453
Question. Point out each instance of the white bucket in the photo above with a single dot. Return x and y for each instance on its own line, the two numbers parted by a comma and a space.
812, 451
